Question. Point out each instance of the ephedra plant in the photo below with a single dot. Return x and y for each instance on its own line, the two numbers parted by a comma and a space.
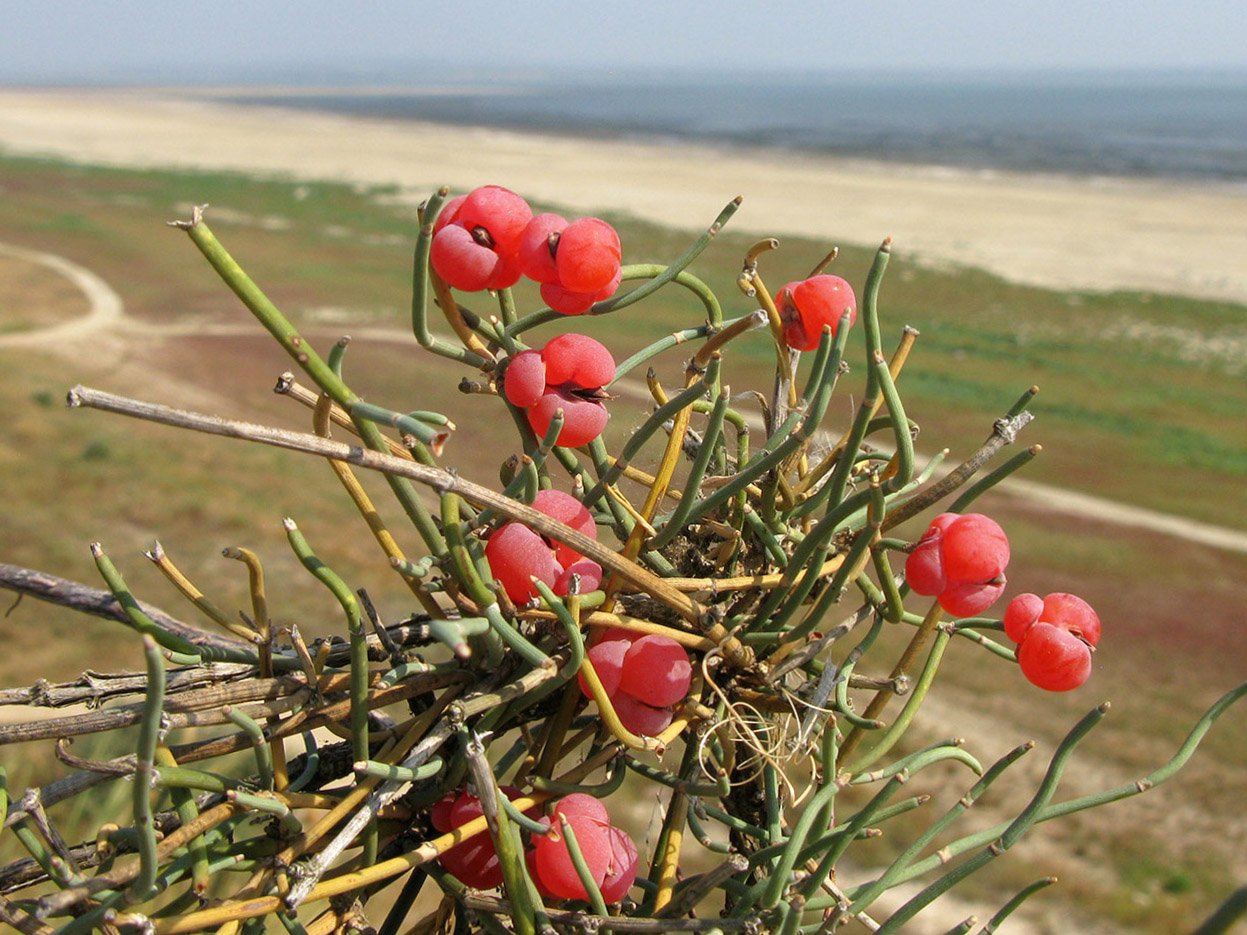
702, 632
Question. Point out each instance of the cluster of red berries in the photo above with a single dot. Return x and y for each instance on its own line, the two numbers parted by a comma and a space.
475, 862
643, 675
804, 307
569, 373
577, 264
488, 239
1056, 636
517, 554
609, 852
961, 560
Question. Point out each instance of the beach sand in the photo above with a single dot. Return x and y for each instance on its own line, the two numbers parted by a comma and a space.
1181, 238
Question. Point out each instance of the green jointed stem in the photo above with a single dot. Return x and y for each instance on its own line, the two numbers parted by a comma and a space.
900, 424
596, 902
870, 314
831, 591
790, 436
865, 895
139, 620
266, 312
420, 288
514, 639
144, 757
651, 351
52, 865
429, 427
648, 428
781, 874
1023, 402
913, 701
682, 261
893, 606
506, 308
1047, 788
355, 631
868, 813
337, 352
420, 268
963, 926
600, 790
843, 708
990, 480
527, 477
709, 444
321, 373
311, 763
463, 565
921, 759
717, 789
392, 773
1011, 906
249, 726
1019, 826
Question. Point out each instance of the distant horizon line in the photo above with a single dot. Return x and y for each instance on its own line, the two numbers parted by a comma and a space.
398, 77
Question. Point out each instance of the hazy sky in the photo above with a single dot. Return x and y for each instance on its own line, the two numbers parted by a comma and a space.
171, 40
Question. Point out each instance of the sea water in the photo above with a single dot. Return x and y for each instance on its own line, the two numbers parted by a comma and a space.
1185, 125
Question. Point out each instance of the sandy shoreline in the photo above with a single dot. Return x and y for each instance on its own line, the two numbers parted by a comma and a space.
1182, 238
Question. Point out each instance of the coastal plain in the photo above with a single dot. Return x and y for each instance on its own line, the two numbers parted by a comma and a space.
1155, 235
1122, 412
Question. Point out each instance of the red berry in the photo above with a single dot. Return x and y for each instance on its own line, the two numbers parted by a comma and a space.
656, 671
474, 861
622, 871
1021, 614
536, 256
500, 212
574, 369
554, 862
960, 560
580, 803
515, 554
1055, 638
578, 362
640, 718
975, 548
460, 260
449, 213
524, 380
530, 858
570, 512
588, 255
924, 567
607, 658
968, 599
806, 306
583, 420
1070, 612
1054, 659
590, 573
476, 239
439, 814
566, 302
